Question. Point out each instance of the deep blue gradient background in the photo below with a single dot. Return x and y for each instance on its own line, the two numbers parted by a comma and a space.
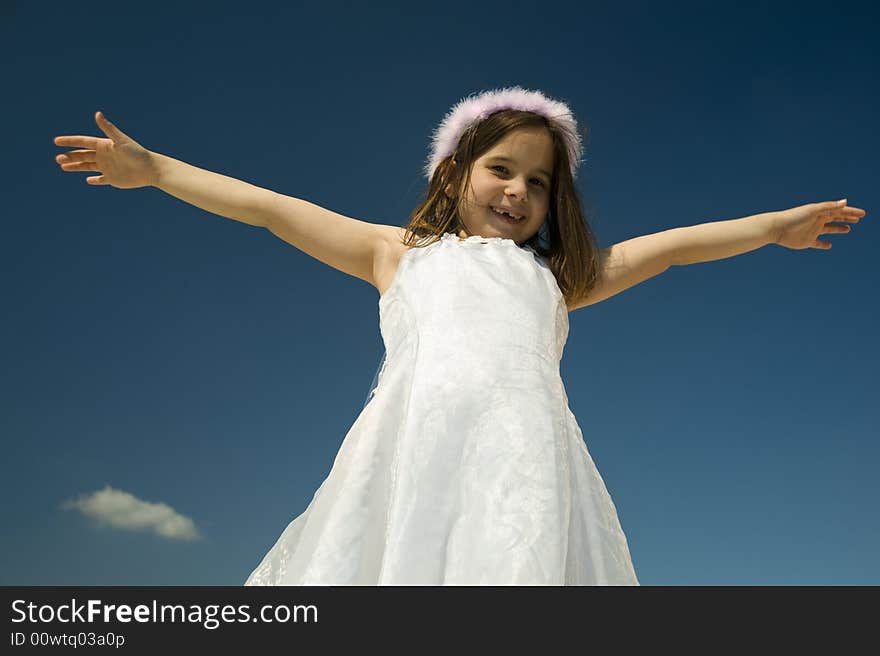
188, 359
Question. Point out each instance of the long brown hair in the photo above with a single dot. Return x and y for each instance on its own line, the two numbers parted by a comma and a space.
567, 242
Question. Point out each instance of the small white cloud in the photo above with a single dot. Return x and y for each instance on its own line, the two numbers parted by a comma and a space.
125, 511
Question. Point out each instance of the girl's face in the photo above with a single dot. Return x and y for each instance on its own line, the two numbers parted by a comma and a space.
513, 175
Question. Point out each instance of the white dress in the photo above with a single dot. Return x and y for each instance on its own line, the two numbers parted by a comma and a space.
467, 466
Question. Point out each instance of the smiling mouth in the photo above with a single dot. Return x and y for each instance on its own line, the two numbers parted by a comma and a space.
505, 217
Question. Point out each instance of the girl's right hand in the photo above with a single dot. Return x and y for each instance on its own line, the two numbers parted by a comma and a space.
122, 161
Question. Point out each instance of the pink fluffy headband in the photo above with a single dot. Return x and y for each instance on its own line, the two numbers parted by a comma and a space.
475, 108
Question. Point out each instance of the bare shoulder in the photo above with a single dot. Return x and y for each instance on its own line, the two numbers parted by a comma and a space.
388, 256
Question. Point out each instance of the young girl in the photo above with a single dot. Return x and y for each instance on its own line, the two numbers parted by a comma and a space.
466, 466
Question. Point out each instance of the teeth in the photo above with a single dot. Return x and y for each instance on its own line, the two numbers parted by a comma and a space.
516, 218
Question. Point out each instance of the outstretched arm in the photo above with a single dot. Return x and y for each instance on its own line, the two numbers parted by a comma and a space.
796, 228
628, 263
352, 246
126, 164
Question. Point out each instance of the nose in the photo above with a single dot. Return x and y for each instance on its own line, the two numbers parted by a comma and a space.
516, 187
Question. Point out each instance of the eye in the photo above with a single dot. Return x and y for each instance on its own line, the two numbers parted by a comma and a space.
538, 180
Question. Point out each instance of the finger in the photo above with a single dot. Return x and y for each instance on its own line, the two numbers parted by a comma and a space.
74, 141
109, 129
80, 166
76, 156
849, 214
838, 224
96, 180
822, 244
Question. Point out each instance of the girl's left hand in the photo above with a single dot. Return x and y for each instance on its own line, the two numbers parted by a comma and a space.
801, 226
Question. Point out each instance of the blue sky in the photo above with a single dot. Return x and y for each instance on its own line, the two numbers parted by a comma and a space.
203, 373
